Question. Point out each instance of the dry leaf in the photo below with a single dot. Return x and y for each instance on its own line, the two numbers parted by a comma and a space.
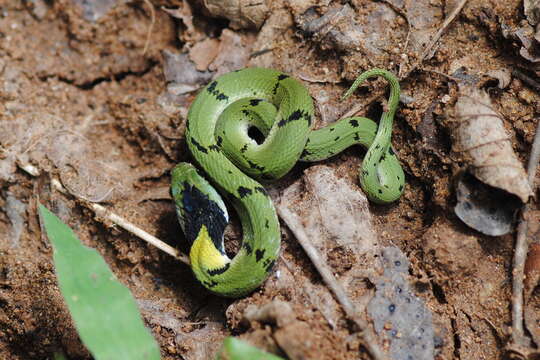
241, 13
502, 75
185, 13
481, 136
204, 52
233, 52
278, 22
181, 75
531, 8
484, 208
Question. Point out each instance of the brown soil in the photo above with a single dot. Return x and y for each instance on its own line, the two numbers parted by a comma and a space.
81, 101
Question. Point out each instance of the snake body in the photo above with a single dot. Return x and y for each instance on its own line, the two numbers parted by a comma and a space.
219, 133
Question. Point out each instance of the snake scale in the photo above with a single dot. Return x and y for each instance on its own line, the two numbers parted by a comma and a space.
220, 130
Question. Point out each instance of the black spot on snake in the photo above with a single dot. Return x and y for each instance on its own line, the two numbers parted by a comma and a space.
353, 122
308, 118
295, 115
380, 191
356, 137
219, 140
248, 248
199, 146
332, 129
305, 153
219, 270
282, 77
266, 225
244, 148
245, 112
400, 187
255, 102
337, 138
378, 146
261, 190
211, 87
274, 90
270, 266
243, 191
210, 284
390, 151
255, 166
212, 90
259, 253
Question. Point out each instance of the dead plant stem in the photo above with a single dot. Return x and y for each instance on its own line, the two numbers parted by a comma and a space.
293, 223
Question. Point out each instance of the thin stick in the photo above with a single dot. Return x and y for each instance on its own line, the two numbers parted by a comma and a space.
526, 79
436, 37
519, 338
128, 226
295, 226
151, 28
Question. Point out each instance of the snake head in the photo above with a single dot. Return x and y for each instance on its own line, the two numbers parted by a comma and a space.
198, 204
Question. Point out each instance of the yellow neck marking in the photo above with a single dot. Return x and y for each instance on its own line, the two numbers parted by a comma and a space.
203, 253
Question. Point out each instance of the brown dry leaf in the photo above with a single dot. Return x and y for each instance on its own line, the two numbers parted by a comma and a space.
481, 136
185, 13
181, 74
242, 13
278, 22
233, 52
204, 52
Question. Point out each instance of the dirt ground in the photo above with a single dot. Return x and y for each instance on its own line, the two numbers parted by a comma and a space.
95, 95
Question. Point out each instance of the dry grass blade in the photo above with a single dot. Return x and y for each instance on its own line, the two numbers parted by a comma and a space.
295, 226
519, 340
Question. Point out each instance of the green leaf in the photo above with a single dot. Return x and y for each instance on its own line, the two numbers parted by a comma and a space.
236, 349
105, 313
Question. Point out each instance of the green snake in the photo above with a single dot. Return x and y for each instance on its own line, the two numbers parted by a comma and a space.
221, 126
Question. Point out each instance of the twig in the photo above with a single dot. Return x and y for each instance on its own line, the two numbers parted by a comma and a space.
519, 339
128, 226
526, 79
151, 28
436, 37
326, 273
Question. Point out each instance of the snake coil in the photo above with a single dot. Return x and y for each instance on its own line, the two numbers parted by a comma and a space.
278, 108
